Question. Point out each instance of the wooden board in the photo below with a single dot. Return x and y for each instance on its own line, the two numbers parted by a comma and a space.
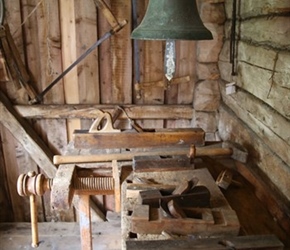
56, 235
132, 139
242, 242
91, 111
161, 163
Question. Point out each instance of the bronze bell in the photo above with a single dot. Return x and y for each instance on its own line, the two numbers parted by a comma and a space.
171, 20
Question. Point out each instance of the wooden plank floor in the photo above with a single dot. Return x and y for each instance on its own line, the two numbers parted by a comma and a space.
59, 236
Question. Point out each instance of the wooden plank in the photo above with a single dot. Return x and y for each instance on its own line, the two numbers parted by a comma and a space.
92, 111
21, 129
88, 69
6, 213
105, 76
273, 132
264, 89
69, 55
185, 66
131, 139
121, 54
60, 235
273, 202
12, 170
240, 242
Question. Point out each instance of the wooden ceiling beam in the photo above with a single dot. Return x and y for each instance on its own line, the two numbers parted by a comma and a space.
90, 111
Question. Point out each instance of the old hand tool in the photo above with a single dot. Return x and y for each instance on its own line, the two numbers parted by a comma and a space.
64, 186
225, 179
31, 185
199, 196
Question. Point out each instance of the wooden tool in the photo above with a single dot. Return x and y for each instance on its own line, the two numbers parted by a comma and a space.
216, 220
197, 197
64, 186
31, 184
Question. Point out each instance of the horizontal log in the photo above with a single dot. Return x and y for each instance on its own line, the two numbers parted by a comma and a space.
81, 111
272, 128
68, 159
264, 88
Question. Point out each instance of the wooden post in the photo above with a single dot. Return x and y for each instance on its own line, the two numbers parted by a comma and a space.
85, 222
117, 187
69, 55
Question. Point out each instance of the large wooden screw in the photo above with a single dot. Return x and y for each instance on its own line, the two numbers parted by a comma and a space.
32, 184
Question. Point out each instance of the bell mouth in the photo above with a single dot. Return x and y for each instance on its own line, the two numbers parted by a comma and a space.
162, 34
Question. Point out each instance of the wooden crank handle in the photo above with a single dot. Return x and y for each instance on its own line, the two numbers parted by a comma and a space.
34, 225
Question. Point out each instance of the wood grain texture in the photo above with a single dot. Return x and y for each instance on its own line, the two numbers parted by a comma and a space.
121, 54
92, 111
131, 139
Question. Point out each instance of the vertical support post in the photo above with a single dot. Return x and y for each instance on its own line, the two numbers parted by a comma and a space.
117, 187
85, 222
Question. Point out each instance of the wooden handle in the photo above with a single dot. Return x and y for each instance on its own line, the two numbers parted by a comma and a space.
67, 159
34, 226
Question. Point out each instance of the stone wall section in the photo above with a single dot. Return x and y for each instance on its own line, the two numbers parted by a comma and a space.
207, 94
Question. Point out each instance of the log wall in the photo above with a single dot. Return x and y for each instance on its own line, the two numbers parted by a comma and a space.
50, 35
257, 114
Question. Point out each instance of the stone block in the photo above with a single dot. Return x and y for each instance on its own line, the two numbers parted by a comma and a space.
207, 96
205, 120
225, 69
212, 13
207, 71
208, 50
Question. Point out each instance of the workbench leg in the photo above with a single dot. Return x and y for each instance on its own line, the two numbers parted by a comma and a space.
85, 222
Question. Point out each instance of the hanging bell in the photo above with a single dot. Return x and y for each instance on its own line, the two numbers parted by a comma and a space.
171, 20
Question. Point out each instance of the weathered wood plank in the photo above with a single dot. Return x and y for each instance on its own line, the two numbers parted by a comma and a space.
65, 236
105, 76
69, 55
239, 242
132, 139
271, 127
231, 128
88, 69
23, 132
274, 32
121, 54
6, 213
243, 102
92, 111
258, 82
